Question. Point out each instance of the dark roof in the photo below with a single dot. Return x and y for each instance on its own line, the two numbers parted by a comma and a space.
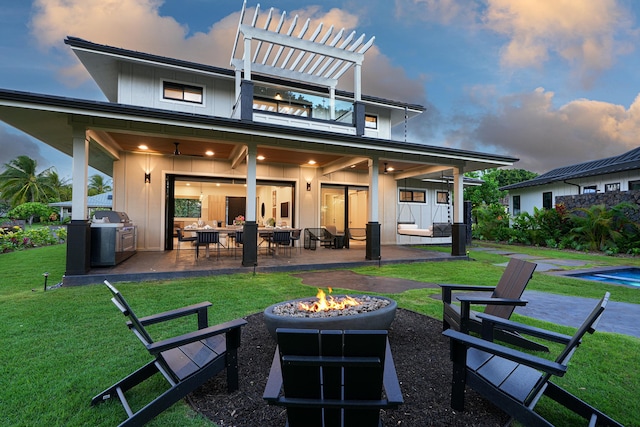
85, 44
624, 162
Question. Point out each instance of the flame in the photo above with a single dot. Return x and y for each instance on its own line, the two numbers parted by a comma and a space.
324, 304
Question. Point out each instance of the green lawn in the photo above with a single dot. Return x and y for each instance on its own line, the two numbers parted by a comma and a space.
61, 347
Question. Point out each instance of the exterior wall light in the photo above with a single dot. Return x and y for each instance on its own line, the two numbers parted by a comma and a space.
147, 178
308, 186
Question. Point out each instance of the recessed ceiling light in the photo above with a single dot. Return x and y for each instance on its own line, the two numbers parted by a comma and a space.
352, 166
188, 184
143, 147
312, 162
260, 157
390, 168
209, 153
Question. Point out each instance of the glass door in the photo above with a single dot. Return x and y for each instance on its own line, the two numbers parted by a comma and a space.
343, 207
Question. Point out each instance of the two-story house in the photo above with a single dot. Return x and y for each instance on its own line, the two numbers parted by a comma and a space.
271, 139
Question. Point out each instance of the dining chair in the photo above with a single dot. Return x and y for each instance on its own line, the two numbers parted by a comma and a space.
207, 238
295, 237
182, 238
281, 239
239, 240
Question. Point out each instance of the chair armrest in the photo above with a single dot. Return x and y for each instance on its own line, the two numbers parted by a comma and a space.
390, 379
448, 288
274, 382
200, 309
494, 301
198, 335
535, 362
493, 322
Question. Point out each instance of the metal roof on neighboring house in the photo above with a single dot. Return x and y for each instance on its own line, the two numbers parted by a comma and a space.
624, 162
103, 200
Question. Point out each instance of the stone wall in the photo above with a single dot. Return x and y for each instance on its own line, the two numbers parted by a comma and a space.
609, 199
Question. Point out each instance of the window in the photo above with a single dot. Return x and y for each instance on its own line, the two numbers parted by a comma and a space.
181, 92
442, 197
614, 186
187, 208
590, 189
413, 196
634, 185
547, 200
301, 104
370, 122
516, 205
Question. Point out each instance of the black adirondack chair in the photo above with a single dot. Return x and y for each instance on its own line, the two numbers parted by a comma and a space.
186, 361
332, 377
515, 381
502, 302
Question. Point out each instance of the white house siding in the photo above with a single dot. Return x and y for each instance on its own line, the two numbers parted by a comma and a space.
531, 197
142, 85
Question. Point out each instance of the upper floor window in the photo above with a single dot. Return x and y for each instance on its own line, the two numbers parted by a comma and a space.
414, 196
547, 200
301, 104
589, 189
182, 92
370, 121
634, 185
442, 197
516, 205
614, 186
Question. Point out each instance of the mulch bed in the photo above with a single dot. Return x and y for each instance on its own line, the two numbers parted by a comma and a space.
421, 356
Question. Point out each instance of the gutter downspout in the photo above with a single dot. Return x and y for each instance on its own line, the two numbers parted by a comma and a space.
571, 183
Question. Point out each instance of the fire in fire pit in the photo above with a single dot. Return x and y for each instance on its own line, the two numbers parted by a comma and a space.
339, 312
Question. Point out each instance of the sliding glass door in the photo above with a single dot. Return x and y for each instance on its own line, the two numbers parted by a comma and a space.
343, 207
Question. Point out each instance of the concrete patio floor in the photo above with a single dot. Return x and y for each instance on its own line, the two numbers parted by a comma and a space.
169, 265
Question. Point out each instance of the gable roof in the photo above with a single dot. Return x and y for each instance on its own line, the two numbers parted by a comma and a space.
624, 162
103, 200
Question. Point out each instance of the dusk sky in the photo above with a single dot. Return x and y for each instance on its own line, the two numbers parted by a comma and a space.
552, 82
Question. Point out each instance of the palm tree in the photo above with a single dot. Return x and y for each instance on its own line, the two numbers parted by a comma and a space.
61, 186
19, 182
98, 185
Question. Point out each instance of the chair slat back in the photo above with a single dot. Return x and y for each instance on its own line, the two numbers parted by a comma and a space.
589, 325
119, 301
239, 237
332, 365
281, 237
511, 285
205, 237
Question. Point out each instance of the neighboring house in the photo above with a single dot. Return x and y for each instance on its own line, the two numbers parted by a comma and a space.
103, 201
271, 138
598, 177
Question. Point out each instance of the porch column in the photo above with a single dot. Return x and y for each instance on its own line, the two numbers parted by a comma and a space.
250, 237
78, 230
373, 226
458, 229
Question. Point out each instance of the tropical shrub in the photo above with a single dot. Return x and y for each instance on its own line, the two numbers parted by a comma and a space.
30, 210
15, 238
492, 223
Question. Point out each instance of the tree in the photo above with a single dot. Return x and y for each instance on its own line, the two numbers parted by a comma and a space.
61, 186
19, 182
98, 185
28, 211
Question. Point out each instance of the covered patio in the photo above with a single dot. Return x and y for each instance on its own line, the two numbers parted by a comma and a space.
153, 265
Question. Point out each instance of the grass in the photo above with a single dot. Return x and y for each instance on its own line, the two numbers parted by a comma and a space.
63, 346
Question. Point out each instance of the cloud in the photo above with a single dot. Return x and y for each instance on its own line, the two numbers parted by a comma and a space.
583, 33
137, 25
527, 126
17, 144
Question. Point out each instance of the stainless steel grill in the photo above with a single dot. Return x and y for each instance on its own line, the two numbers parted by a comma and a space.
113, 238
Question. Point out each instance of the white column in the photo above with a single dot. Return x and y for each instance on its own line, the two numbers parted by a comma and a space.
80, 174
332, 103
247, 58
252, 152
357, 82
372, 212
458, 195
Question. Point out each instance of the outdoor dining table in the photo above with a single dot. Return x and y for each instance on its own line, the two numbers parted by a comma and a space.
264, 232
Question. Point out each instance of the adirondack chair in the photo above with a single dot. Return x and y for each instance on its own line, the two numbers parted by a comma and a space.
332, 377
502, 302
186, 361
515, 381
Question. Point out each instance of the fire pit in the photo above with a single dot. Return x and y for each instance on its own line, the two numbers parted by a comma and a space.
334, 312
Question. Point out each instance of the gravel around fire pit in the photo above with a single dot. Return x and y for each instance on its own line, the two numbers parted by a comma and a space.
421, 356
366, 304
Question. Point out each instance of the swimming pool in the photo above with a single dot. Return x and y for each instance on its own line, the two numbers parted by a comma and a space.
624, 276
